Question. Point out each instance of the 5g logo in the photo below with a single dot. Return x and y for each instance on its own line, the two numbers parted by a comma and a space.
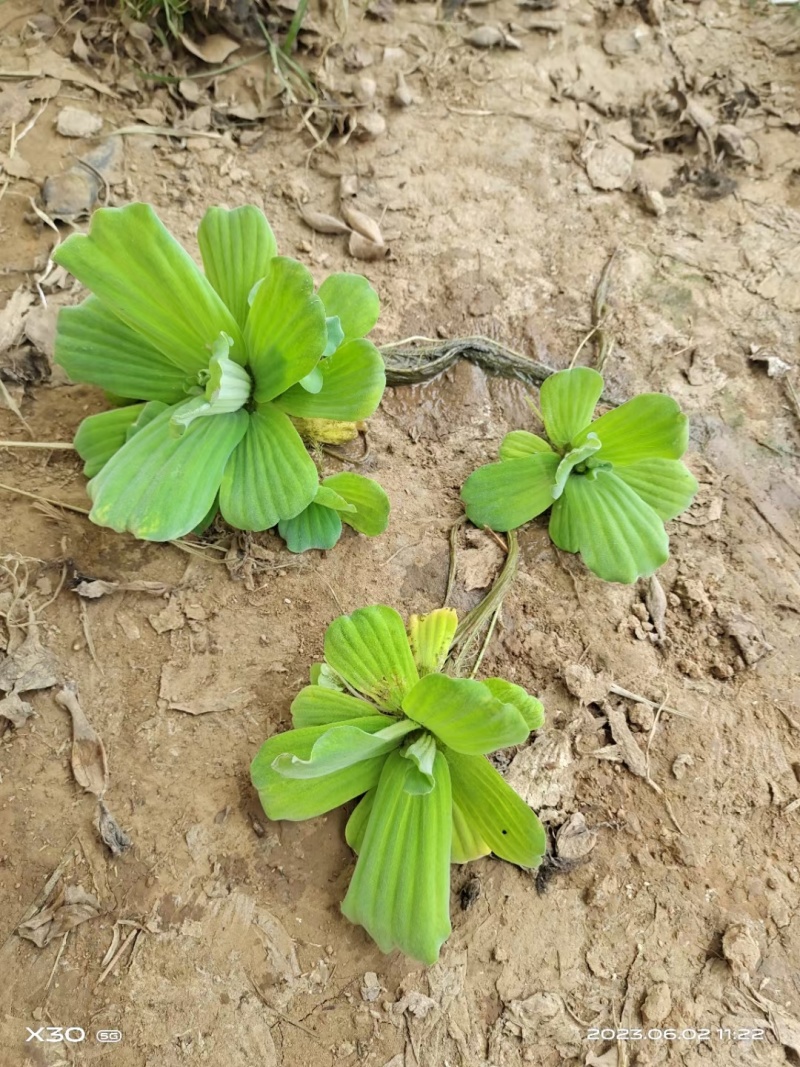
73, 1034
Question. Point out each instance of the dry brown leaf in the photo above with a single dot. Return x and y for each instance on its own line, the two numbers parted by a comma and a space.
111, 833
574, 840
656, 603
609, 165
213, 50
30, 665
15, 107
89, 762
628, 749
15, 710
94, 588
361, 247
361, 223
52, 65
12, 318
320, 222
72, 906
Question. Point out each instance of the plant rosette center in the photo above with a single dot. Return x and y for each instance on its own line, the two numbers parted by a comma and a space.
216, 375
381, 721
611, 483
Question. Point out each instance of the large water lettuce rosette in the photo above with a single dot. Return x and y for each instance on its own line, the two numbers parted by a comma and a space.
212, 371
381, 721
612, 483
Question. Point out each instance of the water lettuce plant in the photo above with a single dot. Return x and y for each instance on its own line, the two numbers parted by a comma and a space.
382, 722
611, 483
211, 372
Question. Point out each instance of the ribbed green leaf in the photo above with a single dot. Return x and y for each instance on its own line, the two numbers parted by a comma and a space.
422, 754
316, 526
464, 714
270, 476
574, 458
317, 705
370, 650
400, 892
353, 381
356, 826
494, 812
160, 486
334, 337
141, 274
568, 400
100, 436
369, 501
327, 498
286, 330
468, 844
528, 706
621, 537
94, 346
236, 247
665, 484
430, 637
650, 426
342, 745
508, 494
352, 298
563, 532
323, 675
519, 443
301, 798
151, 410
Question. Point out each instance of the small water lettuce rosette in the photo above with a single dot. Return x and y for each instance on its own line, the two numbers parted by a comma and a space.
382, 722
612, 483
213, 373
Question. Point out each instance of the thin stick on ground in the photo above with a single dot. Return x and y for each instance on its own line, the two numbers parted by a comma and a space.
451, 570
473, 622
51, 446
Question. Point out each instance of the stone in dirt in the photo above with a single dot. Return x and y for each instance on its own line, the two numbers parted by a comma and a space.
75, 122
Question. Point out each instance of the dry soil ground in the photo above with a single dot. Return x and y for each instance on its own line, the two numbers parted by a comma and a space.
668, 131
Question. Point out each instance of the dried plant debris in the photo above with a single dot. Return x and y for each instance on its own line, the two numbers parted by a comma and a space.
749, 637
116, 840
574, 839
491, 37
94, 588
15, 710
319, 222
89, 762
71, 907
656, 603
26, 665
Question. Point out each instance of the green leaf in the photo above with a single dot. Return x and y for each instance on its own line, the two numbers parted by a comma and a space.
430, 637
151, 410
270, 476
572, 459
468, 844
335, 335
621, 538
286, 331
508, 494
519, 443
528, 706
141, 274
400, 891
323, 675
302, 798
317, 526
159, 486
342, 745
353, 381
568, 400
651, 426
318, 705
464, 714
369, 501
665, 484
563, 531
327, 498
369, 650
422, 754
494, 812
94, 346
236, 247
356, 826
100, 436
312, 383
352, 298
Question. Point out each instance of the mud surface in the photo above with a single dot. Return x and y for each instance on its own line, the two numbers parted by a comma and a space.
666, 131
